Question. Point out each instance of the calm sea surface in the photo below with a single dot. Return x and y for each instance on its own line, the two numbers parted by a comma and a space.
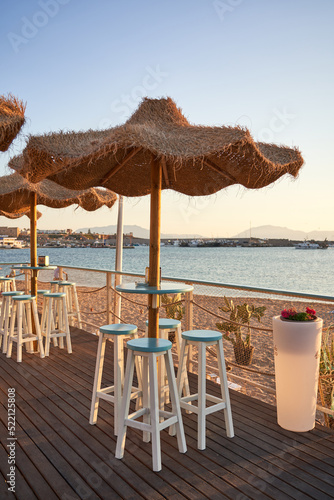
289, 269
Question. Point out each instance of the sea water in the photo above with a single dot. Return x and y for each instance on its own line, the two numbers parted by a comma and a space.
307, 271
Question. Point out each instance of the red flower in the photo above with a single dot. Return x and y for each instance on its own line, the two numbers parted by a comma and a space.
310, 311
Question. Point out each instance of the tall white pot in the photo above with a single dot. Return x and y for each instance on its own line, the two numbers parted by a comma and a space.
297, 354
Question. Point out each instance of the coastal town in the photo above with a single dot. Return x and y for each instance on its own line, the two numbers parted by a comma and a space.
14, 238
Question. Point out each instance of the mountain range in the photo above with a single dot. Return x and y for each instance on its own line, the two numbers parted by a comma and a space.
270, 232
277, 232
138, 232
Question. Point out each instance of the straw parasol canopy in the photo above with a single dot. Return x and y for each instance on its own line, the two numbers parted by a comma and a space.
11, 119
15, 195
196, 160
17, 215
157, 148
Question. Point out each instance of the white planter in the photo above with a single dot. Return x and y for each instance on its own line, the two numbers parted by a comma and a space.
297, 354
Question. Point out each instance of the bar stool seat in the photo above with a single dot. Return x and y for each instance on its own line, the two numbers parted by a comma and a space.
54, 322
113, 393
24, 309
150, 349
201, 339
5, 315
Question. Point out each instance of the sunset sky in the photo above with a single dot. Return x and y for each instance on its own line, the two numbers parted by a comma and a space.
266, 65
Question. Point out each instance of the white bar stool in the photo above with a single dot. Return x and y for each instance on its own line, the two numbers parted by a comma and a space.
7, 284
54, 322
167, 325
202, 339
73, 310
150, 349
6, 309
24, 308
116, 332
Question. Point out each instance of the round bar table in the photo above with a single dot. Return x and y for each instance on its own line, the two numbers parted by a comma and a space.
27, 268
163, 288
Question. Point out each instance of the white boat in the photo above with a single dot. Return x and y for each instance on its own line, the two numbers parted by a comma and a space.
307, 245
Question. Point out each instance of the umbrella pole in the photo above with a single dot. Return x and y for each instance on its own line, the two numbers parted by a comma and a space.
33, 241
154, 273
33, 254
119, 257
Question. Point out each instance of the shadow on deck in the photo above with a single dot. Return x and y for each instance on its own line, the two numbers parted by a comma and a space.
59, 455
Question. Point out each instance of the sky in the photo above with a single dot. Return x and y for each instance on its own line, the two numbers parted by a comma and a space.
265, 65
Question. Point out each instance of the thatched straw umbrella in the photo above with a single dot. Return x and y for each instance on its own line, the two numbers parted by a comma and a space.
17, 215
157, 148
11, 119
19, 196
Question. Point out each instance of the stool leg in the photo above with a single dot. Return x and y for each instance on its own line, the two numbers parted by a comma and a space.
118, 379
27, 325
146, 396
101, 348
11, 331
6, 325
185, 386
48, 327
125, 405
37, 328
181, 375
154, 412
225, 390
181, 439
76, 306
59, 320
201, 396
67, 328
19, 332
161, 375
2, 321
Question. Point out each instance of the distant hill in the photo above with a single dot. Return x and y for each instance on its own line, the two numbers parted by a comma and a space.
138, 232
277, 232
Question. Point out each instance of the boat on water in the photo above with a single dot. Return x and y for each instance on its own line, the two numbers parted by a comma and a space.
307, 245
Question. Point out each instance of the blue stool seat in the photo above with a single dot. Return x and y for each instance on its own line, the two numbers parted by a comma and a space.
149, 345
66, 283
42, 292
118, 329
3, 278
11, 294
167, 323
55, 282
202, 335
56, 295
23, 297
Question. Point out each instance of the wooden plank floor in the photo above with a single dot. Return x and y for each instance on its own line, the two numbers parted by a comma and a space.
59, 455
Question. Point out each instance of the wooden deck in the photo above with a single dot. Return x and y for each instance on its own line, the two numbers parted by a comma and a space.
59, 455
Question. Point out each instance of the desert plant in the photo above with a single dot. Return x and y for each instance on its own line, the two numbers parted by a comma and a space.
173, 309
240, 334
326, 374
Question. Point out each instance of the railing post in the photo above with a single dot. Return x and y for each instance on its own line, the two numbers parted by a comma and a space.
189, 323
117, 300
109, 305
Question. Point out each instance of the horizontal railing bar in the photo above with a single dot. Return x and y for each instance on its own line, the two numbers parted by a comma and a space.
248, 288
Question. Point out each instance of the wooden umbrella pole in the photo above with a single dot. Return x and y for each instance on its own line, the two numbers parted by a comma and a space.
33, 241
154, 272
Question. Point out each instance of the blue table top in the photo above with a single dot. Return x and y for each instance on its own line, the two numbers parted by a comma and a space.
35, 268
142, 288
